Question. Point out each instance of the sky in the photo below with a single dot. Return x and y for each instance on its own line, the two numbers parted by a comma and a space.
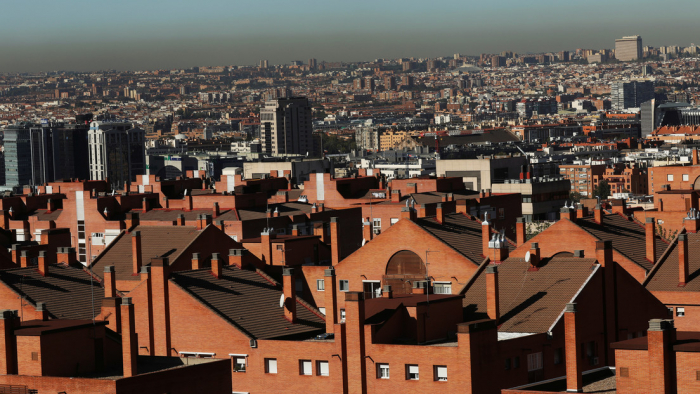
79, 35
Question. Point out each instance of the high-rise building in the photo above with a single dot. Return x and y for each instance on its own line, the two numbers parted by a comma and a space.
563, 56
285, 126
117, 152
312, 64
630, 94
390, 83
498, 61
264, 64
628, 48
58, 152
18, 155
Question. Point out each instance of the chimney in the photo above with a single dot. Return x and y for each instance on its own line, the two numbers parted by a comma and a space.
331, 302
421, 211
132, 220
109, 282
408, 213
215, 210
581, 211
15, 253
24, 259
695, 157
146, 205
203, 221
367, 232
412, 188
220, 225
498, 249
396, 196
43, 265
661, 337
604, 253
485, 237
266, 238
691, 225
42, 311
276, 212
650, 230
450, 197
160, 300
355, 334
321, 207
51, 205
492, 300
295, 229
268, 213
598, 212
237, 257
682, 260
136, 252
65, 256
216, 265
520, 234
130, 346
619, 206
180, 219
534, 256
189, 202
196, 263
574, 379
290, 298
439, 214
566, 213
8, 342
335, 241
387, 292
166, 203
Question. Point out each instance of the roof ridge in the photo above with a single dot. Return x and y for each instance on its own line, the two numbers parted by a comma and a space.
614, 248
308, 306
662, 259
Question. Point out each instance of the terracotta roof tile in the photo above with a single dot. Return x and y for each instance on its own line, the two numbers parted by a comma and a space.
665, 277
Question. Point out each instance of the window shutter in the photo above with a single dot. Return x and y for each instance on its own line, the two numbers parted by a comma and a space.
323, 367
272, 366
442, 372
306, 367
413, 369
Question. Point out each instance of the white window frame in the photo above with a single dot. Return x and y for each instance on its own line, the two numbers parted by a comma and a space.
320, 285
680, 311
685, 178
377, 225
321, 366
347, 285
197, 354
393, 221
669, 177
271, 365
440, 373
305, 368
411, 370
381, 368
342, 315
236, 357
443, 285
322, 310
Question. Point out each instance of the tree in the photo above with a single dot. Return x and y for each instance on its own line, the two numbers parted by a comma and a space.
575, 196
602, 190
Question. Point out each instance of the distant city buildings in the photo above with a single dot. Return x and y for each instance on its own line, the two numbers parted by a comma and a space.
630, 94
628, 48
285, 127
116, 152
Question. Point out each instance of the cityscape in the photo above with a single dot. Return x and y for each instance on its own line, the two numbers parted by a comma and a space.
504, 222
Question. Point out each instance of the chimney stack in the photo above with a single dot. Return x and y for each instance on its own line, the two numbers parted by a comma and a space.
485, 237
42, 311
290, 298
196, 262
396, 196
132, 220
215, 210
266, 238
598, 212
220, 225
534, 256
408, 213
567, 213
683, 270
146, 205
440, 214
520, 234
130, 346
650, 230
367, 231
581, 211
43, 265
8, 342
574, 379
498, 248
335, 241
236, 257
180, 219
109, 282
492, 300
387, 292
136, 252
604, 253
661, 337
330, 298
216, 265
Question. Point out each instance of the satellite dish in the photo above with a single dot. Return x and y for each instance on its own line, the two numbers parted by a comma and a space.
364, 241
282, 299
527, 257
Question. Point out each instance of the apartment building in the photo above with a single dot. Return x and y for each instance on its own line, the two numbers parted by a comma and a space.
117, 152
285, 127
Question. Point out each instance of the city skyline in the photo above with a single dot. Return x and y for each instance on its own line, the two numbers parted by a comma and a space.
159, 35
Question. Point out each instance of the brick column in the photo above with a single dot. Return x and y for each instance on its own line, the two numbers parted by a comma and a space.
574, 380
335, 241
330, 298
355, 335
492, 300
650, 230
161, 305
682, 260
130, 345
290, 297
662, 366
8, 342
520, 234
136, 252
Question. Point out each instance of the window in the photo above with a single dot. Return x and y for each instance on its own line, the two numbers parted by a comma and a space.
534, 361
322, 310
501, 213
344, 285
239, 363
669, 177
320, 285
382, 371
305, 367
440, 373
685, 177
411, 372
507, 366
442, 288
557, 356
270, 365
393, 221
322, 368
624, 372
35, 356
280, 247
697, 375
377, 225
680, 311
299, 284
516, 362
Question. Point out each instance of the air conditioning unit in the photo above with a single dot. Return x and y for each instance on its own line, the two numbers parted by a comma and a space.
253, 343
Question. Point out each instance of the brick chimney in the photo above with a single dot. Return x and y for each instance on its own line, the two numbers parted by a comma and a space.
65, 256
498, 248
290, 297
8, 343
695, 157
691, 225
41, 311
581, 211
43, 265
534, 256
216, 265
130, 345
396, 196
136, 252
160, 301
236, 257
295, 229
439, 213
485, 237
574, 379
367, 232
146, 205
220, 225
109, 282
520, 233
321, 207
24, 259
492, 299
567, 213
180, 219
335, 241
422, 211
619, 206
266, 238
330, 298
598, 214
355, 334
215, 210
408, 213
604, 253
650, 230
51, 205
387, 292
662, 366
132, 220
683, 271
196, 262
203, 221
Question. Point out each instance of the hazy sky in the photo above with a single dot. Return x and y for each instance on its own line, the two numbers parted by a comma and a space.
41, 35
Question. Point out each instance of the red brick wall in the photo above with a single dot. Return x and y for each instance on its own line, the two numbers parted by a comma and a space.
46, 384
687, 366
637, 363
